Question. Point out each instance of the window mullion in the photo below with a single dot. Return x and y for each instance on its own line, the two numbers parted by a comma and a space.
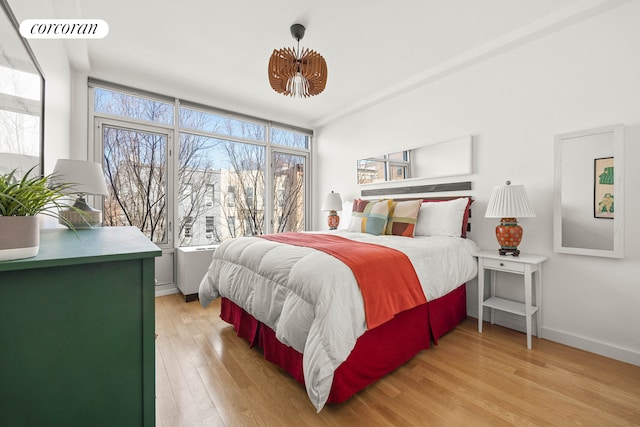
269, 197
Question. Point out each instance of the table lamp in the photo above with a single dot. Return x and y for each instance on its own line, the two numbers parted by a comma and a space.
87, 178
508, 202
332, 203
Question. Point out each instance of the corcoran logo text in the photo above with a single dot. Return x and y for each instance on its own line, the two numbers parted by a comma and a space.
64, 28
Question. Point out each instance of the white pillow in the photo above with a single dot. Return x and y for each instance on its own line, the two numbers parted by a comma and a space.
345, 215
441, 218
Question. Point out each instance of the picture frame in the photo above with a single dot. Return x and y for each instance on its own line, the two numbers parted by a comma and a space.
603, 188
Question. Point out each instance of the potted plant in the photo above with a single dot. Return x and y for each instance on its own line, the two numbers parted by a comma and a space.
21, 200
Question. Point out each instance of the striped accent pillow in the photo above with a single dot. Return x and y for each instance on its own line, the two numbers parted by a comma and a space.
357, 214
375, 217
403, 217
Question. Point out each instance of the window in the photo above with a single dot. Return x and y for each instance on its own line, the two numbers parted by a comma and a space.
237, 170
231, 196
248, 191
209, 228
398, 165
210, 195
289, 138
188, 224
397, 172
219, 125
389, 167
288, 185
118, 103
135, 167
217, 185
209, 224
371, 171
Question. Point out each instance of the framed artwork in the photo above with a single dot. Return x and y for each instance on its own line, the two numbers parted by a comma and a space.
603, 190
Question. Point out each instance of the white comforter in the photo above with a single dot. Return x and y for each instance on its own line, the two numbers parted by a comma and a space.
312, 301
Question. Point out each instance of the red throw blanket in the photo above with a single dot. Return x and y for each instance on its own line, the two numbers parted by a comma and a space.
386, 277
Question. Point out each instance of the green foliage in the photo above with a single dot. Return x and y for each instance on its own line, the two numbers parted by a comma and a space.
31, 195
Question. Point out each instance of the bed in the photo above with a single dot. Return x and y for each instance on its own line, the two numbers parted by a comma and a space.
308, 310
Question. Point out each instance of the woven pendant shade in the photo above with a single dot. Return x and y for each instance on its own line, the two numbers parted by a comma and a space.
300, 73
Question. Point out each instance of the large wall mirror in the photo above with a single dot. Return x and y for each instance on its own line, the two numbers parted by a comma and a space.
21, 100
447, 158
589, 192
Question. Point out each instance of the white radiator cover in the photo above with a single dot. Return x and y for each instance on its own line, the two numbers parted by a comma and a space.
192, 264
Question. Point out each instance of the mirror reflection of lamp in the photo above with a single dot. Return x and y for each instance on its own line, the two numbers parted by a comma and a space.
87, 178
508, 202
332, 203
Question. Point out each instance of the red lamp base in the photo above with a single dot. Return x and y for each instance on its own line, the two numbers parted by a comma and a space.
509, 235
333, 220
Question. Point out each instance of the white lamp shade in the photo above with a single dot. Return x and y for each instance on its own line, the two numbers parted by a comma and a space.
86, 177
333, 202
509, 201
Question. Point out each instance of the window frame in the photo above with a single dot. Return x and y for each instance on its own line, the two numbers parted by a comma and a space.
142, 126
175, 131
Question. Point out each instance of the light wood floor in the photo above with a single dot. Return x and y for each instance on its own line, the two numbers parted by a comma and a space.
207, 376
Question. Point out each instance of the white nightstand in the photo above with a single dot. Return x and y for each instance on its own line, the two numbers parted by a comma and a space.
193, 263
524, 265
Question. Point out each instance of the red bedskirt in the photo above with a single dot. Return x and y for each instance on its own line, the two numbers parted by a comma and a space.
377, 352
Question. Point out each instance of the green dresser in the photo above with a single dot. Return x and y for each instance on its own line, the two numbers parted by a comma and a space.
77, 331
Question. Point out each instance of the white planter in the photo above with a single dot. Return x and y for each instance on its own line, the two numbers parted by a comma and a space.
19, 237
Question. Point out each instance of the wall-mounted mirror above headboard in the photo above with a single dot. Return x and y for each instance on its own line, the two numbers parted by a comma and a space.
447, 158
21, 100
589, 192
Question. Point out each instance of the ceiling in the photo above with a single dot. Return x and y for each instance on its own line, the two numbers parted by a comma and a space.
217, 52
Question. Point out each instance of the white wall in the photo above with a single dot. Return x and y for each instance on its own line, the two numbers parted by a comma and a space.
581, 77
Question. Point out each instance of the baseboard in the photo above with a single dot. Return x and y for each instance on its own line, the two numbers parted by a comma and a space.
168, 289
518, 323
603, 349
